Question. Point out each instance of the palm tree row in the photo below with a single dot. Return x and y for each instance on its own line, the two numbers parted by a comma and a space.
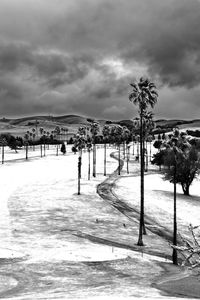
86, 139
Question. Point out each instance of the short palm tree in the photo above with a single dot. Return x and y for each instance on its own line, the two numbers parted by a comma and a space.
116, 132
125, 138
26, 137
144, 94
79, 144
89, 147
33, 134
3, 143
149, 125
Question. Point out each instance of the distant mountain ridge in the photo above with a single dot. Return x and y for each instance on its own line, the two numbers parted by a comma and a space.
76, 119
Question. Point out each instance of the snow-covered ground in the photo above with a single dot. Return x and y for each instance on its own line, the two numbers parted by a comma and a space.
56, 244
159, 200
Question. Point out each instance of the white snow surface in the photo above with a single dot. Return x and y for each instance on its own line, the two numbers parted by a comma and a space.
41, 218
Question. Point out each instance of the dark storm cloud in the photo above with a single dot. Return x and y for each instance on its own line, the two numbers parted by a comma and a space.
58, 47
59, 69
10, 90
167, 41
13, 55
56, 68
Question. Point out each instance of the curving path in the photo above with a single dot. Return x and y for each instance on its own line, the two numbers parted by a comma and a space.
106, 190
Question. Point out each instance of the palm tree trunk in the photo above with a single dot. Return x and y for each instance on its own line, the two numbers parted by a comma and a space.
127, 158
94, 160
105, 159
26, 152
133, 145
150, 153
81, 161
174, 254
88, 164
146, 168
119, 159
41, 150
2, 155
57, 150
79, 174
141, 224
138, 150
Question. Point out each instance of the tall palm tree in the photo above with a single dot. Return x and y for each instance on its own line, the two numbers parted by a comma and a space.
106, 134
143, 95
82, 140
94, 129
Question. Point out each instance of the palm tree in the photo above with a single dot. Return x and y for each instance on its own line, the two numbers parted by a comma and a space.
33, 134
116, 132
82, 140
127, 159
41, 130
133, 142
26, 137
144, 94
150, 139
125, 138
94, 129
79, 144
65, 130
89, 147
106, 134
48, 137
62, 131
3, 143
36, 127
44, 139
57, 131
149, 125
174, 253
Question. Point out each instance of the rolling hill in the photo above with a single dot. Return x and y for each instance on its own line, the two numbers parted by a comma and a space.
19, 126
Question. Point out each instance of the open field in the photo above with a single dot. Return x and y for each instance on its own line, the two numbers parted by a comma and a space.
58, 245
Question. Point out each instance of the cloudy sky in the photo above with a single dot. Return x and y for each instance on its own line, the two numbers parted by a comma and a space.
79, 56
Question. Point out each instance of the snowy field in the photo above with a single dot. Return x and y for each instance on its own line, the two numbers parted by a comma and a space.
56, 244
159, 200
